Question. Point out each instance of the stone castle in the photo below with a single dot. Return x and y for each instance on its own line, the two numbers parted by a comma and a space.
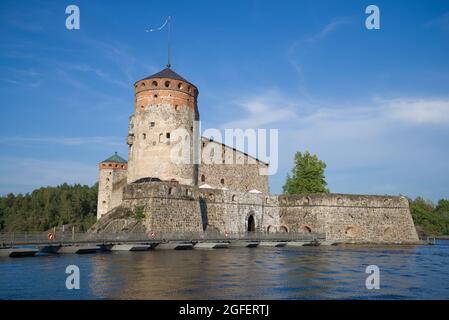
223, 197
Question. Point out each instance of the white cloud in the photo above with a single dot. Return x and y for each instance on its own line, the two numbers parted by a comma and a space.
328, 29
441, 22
298, 49
261, 110
369, 147
68, 141
418, 111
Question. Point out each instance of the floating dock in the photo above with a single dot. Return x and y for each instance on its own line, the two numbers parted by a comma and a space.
174, 246
131, 247
211, 245
78, 249
18, 252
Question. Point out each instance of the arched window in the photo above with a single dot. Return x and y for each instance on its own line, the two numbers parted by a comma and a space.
222, 181
154, 83
161, 137
180, 85
167, 84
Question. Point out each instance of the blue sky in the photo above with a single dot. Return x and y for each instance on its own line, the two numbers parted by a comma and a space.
373, 104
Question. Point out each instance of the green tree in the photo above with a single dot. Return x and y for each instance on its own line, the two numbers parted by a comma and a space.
307, 175
430, 220
49, 207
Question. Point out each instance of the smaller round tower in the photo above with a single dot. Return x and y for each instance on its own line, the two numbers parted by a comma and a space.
113, 172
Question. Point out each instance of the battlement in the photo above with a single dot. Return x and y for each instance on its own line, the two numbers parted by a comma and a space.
343, 200
165, 87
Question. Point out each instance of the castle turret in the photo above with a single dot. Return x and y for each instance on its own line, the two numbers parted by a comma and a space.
165, 104
111, 184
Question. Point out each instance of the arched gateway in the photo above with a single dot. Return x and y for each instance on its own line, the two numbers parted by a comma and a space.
251, 224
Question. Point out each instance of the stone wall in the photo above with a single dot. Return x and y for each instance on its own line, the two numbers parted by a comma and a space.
175, 208
225, 167
351, 218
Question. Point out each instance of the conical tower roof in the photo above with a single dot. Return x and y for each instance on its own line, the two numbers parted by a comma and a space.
167, 73
115, 159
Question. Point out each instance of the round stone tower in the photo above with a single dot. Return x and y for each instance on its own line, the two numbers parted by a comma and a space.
165, 107
111, 184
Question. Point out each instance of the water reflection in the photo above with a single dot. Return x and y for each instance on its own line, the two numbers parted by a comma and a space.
258, 273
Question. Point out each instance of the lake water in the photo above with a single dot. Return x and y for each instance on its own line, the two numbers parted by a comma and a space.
406, 272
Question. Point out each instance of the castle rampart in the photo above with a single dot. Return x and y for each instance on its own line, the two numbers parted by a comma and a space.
171, 207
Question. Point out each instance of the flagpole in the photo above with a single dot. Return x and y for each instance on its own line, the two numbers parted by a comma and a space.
167, 22
168, 19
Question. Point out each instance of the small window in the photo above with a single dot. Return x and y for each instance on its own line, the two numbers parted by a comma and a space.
167, 84
180, 85
154, 83
168, 135
222, 181
177, 107
143, 84
144, 136
161, 137
203, 178
152, 124
155, 96
170, 191
233, 197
